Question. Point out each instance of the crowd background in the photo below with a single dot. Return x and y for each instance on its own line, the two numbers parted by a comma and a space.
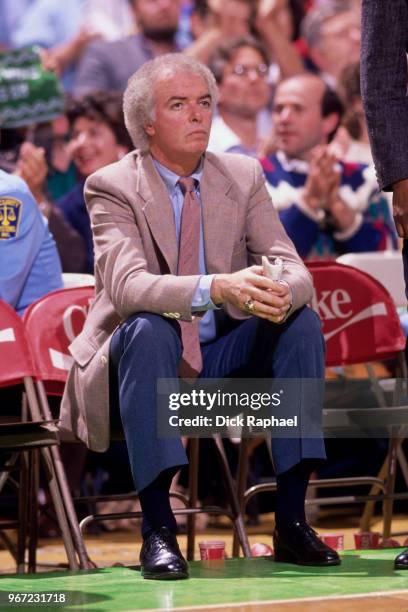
288, 75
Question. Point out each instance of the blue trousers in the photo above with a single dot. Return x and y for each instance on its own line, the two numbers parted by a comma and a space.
147, 347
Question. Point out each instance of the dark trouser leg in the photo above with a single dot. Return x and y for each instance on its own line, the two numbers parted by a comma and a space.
146, 347
295, 349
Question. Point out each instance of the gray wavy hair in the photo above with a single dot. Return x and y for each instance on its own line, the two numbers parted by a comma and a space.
138, 99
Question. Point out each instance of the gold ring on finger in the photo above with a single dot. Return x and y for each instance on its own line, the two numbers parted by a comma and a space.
249, 305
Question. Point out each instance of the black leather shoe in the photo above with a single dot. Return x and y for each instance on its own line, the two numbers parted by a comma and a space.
298, 543
161, 558
401, 562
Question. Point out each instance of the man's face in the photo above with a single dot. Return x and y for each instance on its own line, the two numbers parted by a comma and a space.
244, 89
236, 17
339, 44
297, 116
157, 15
181, 126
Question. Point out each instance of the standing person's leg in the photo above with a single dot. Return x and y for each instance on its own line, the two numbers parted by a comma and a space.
144, 348
401, 561
294, 349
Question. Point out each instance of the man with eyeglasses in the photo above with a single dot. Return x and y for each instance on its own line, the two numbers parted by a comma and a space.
241, 69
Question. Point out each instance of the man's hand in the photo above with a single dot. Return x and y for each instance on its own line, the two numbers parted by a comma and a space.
268, 10
342, 214
400, 207
323, 179
33, 169
271, 300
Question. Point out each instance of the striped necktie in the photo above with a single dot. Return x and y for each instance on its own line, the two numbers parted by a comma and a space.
191, 362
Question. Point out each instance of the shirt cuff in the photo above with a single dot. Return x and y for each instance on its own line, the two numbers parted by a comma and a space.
202, 296
316, 215
350, 231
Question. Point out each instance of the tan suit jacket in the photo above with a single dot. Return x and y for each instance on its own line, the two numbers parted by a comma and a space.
136, 262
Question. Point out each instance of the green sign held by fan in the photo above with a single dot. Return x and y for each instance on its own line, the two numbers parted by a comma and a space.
28, 93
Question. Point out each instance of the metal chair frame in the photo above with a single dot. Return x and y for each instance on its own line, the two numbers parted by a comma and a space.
384, 482
33, 439
45, 376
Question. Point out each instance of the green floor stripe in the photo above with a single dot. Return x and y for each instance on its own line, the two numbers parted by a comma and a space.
241, 580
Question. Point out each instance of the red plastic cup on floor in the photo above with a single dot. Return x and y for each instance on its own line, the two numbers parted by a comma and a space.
334, 540
212, 552
366, 539
390, 543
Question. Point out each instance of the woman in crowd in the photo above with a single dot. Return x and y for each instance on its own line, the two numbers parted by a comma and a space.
98, 138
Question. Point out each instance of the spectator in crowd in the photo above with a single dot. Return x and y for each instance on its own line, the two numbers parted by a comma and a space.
151, 277
218, 21
327, 207
11, 12
108, 65
33, 164
332, 34
240, 67
353, 135
58, 28
63, 30
30, 266
98, 138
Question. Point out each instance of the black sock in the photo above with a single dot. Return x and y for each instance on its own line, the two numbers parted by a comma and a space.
291, 493
155, 503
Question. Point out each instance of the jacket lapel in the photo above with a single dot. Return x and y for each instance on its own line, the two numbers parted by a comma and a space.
158, 210
219, 217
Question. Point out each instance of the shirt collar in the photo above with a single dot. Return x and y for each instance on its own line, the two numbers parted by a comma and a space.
171, 179
292, 165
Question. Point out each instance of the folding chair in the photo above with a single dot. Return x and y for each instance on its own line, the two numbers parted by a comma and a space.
24, 437
76, 279
360, 325
51, 324
385, 266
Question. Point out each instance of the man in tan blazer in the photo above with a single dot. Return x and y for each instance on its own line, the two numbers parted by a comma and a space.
178, 237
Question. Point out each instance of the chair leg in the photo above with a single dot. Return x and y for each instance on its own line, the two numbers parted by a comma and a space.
33, 509
367, 516
402, 460
193, 494
59, 508
22, 511
388, 504
232, 497
243, 461
84, 560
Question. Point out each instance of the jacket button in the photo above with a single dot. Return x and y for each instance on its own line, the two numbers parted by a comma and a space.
104, 360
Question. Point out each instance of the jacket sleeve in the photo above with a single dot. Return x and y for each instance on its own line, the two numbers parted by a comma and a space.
384, 86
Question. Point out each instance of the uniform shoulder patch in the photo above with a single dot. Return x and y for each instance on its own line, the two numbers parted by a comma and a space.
10, 214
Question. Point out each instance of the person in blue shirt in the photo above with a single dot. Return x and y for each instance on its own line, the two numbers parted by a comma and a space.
30, 265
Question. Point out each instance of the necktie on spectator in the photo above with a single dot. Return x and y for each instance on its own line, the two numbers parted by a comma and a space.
191, 362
